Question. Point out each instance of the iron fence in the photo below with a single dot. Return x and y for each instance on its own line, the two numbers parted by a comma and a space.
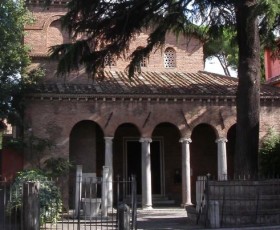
93, 210
238, 203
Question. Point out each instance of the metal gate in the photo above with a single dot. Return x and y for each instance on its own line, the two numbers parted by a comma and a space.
92, 211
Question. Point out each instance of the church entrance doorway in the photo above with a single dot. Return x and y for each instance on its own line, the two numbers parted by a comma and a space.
133, 161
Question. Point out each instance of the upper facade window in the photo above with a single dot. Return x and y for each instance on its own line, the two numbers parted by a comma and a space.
143, 61
109, 61
169, 58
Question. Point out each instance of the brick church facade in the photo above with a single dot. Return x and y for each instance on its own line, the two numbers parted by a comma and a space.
167, 126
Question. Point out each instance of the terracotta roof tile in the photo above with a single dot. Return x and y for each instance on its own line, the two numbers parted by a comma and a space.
155, 83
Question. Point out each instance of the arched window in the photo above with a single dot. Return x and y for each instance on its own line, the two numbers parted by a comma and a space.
143, 62
169, 58
56, 35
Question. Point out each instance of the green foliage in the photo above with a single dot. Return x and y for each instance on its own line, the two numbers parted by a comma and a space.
224, 47
56, 167
36, 149
27, 82
49, 195
33, 77
270, 155
13, 54
16, 143
269, 22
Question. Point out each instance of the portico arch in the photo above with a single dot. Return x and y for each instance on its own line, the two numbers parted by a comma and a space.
127, 152
166, 159
203, 155
86, 148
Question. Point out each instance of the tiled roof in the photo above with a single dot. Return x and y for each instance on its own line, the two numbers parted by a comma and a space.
154, 83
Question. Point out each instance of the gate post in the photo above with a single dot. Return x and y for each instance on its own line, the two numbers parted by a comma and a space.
78, 189
31, 207
2, 204
123, 217
134, 202
214, 214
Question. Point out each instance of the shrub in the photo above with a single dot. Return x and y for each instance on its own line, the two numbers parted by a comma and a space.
49, 195
56, 167
270, 155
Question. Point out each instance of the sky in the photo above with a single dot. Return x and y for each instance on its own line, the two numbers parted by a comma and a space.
212, 65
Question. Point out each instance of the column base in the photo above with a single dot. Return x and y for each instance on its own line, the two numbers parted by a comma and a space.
191, 212
186, 205
147, 207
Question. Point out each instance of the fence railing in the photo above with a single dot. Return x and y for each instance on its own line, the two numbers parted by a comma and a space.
22, 210
235, 203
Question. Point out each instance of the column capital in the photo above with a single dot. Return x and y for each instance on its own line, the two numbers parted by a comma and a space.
108, 138
185, 139
145, 139
221, 139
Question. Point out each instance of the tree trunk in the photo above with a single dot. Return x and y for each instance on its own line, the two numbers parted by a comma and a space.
223, 62
248, 91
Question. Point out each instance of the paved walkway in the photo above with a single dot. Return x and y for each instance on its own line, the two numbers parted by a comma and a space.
176, 219
162, 218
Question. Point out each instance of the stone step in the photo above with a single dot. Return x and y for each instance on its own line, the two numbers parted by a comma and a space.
157, 200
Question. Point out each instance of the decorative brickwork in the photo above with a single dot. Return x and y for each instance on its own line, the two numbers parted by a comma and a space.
169, 58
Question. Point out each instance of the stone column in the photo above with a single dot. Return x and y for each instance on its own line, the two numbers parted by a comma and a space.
78, 189
146, 174
222, 158
186, 172
109, 164
105, 191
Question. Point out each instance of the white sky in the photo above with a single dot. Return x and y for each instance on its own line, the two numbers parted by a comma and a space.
214, 66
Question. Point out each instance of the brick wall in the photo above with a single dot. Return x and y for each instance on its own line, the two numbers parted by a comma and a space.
46, 32
55, 120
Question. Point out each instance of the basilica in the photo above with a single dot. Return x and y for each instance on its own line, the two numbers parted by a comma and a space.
168, 125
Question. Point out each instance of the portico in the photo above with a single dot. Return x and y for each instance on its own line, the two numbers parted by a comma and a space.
144, 161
